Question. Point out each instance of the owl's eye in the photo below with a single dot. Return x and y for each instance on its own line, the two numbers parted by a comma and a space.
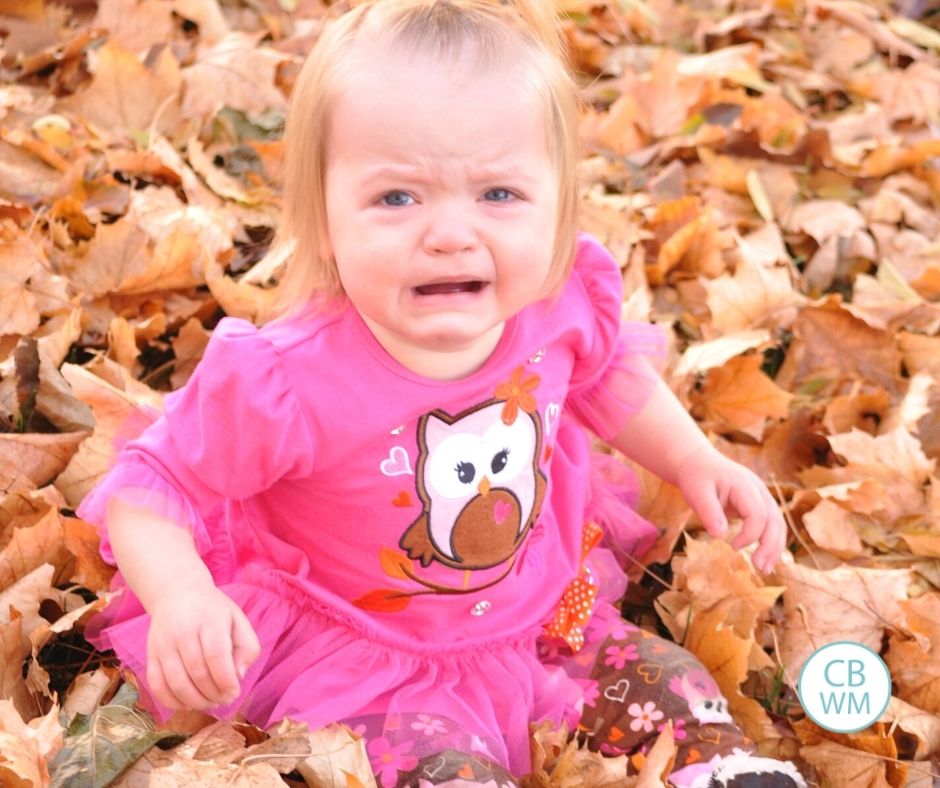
499, 461
465, 472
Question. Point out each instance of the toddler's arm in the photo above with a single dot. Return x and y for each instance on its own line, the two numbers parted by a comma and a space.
200, 642
665, 439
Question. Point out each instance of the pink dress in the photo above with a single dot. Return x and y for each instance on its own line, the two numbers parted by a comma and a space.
399, 543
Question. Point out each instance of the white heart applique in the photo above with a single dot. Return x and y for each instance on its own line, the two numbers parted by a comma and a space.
397, 463
551, 417
618, 692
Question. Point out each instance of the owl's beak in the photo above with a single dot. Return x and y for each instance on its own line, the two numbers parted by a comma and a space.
484, 486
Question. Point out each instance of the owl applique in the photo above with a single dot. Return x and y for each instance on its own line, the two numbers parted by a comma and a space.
480, 485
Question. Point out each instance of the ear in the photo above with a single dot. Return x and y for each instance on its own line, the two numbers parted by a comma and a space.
435, 430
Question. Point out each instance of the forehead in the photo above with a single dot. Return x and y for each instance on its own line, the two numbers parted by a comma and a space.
389, 96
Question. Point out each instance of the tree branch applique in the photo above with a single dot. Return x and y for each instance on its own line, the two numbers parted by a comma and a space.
399, 567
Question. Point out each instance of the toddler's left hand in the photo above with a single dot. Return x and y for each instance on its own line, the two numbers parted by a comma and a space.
710, 483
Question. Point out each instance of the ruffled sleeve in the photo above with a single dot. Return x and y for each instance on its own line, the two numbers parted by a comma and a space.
611, 381
231, 432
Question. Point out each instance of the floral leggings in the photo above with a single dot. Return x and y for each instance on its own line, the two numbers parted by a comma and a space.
634, 682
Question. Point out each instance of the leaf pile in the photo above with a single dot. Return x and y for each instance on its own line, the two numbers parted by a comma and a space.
768, 174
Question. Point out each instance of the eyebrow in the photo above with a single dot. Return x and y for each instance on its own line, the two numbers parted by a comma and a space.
493, 173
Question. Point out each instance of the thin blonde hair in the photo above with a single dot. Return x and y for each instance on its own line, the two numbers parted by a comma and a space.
525, 29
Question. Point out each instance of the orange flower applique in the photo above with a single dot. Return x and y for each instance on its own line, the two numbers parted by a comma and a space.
517, 394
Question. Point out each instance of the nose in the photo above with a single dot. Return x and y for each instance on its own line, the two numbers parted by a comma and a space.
449, 229
484, 487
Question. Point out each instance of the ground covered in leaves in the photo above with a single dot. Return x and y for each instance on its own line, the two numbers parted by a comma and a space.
768, 174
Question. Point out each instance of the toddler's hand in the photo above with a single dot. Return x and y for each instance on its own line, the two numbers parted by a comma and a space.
199, 646
710, 482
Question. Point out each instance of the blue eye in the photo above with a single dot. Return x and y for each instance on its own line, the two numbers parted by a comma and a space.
397, 199
499, 195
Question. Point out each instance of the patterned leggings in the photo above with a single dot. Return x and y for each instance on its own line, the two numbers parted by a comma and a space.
633, 681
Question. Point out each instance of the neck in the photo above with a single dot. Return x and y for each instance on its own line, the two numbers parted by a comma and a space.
446, 364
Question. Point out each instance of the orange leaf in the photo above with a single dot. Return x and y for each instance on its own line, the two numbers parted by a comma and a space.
383, 600
395, 564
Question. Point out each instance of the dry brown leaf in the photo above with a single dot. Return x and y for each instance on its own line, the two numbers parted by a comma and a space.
832, 345
31, 461
911, 94
702, 356
752, 298
25, 595
660, 503
336, 750
119, 251
739, 396
90, 690
558, 762
118, 418
897, 453
122, 343
26, 178
658, 762
81, 540
188, 347
30, 548
234, 72
831, 527
865, 410
694, 249
825, 219
915, 661
135, 25
127, 95
174, 773
922, 725
871, 744
845, 603
14, 651
26, 748
665, 97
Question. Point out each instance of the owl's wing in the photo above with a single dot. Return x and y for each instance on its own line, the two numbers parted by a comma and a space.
416, 541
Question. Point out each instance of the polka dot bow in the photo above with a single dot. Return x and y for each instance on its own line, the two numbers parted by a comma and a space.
574, 609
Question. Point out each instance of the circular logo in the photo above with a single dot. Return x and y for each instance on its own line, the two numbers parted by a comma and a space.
844, 687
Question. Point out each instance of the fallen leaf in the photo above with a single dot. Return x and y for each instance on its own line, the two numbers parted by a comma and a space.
845, 603
234, 72
739, 396
25, 748
128, 95
754, 297
99, 748
31, 461
914, 660
118, 418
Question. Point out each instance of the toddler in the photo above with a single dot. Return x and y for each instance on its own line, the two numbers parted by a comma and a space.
380, 507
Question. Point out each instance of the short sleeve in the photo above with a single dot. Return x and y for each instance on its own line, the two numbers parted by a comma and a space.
231, 432
612, 377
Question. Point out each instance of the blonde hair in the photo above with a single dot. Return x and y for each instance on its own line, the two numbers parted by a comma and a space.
445, 28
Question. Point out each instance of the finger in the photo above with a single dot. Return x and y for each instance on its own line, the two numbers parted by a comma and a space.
177, 678
194, 659
704, 502
218, 650
773, 540
246, 645
158, 686
749, 505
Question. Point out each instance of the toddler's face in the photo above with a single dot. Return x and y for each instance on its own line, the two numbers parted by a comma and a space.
441, 201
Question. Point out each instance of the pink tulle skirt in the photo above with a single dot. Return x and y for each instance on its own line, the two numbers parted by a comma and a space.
317, 667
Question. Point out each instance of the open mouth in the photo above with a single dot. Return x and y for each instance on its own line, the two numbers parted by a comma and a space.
449, 288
